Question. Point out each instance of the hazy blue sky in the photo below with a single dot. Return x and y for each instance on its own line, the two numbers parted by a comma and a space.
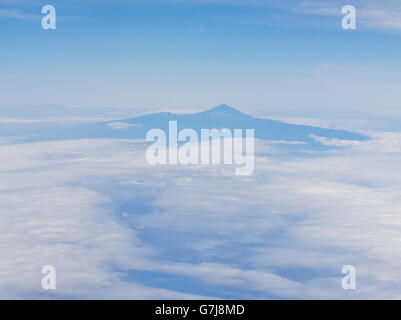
263, 56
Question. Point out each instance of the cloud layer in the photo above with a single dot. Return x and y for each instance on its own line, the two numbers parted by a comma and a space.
115, 227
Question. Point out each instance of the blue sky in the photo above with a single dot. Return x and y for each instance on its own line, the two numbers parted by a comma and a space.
265, 57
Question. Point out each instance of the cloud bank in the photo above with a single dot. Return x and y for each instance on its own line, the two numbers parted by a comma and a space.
115, 227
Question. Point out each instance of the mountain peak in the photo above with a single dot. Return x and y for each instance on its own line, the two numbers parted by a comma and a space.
225, 109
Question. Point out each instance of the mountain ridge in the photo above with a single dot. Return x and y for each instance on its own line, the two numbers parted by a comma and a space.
224, 116
221, 116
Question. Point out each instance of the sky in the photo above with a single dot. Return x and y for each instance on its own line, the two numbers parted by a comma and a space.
266, 57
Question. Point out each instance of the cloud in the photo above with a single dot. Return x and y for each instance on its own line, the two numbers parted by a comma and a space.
121, 125
65, 226
316, 214
6, 13
335, 142
387, 142
113, 225
383, 15
16, 14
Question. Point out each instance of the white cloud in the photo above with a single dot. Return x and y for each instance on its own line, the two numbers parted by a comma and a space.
16, 14
295, 213
383, 15
121, 125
